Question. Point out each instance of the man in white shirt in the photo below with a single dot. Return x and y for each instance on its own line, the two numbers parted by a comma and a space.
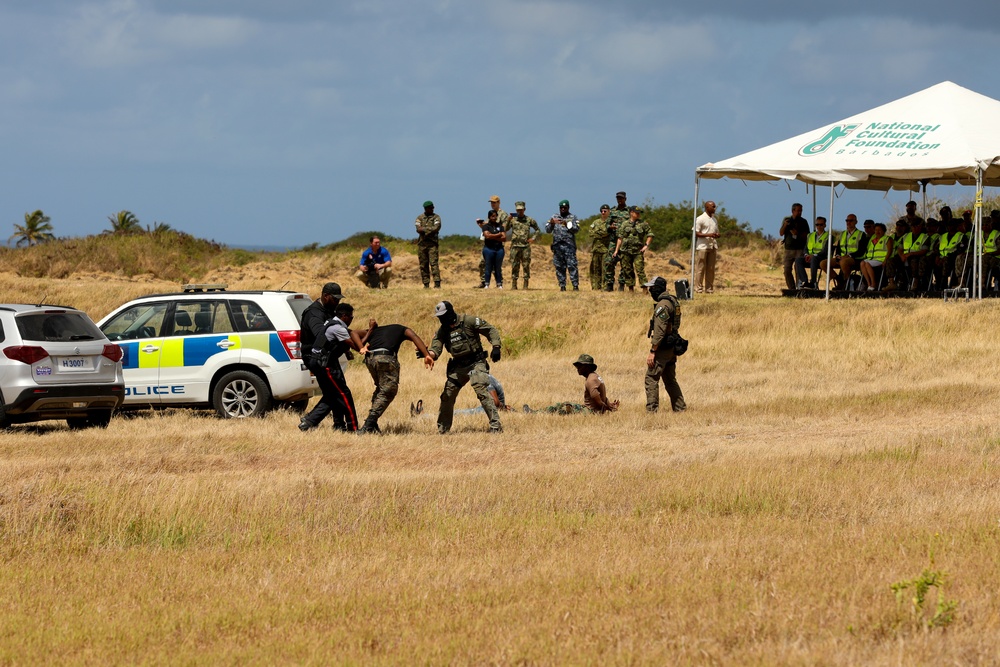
706, 231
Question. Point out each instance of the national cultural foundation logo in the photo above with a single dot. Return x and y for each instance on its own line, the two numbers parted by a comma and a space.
895, 138
823, 143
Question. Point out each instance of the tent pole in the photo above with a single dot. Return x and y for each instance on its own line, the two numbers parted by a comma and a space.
829, 243
694, 231
977, 260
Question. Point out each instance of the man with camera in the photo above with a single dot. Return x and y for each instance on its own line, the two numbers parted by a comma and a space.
375, 269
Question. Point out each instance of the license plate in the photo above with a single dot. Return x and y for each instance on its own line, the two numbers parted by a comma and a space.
75, 364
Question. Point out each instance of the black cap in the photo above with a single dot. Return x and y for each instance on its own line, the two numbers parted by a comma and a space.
332, 289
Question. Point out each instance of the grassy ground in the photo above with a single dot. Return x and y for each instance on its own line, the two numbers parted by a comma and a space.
830, 450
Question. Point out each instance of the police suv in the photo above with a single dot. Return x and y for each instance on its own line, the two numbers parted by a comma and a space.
237, 352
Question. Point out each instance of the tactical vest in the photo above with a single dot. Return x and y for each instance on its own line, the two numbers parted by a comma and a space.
675, 322
335, 348
462, 341
814, 244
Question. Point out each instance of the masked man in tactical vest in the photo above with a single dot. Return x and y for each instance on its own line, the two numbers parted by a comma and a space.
460, 335
664, 343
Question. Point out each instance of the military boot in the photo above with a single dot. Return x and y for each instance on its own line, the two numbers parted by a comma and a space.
621, 287
437, 284
370, 426
525, 283
513, 283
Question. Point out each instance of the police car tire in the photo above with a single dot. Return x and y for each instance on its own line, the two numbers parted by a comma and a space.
241, 394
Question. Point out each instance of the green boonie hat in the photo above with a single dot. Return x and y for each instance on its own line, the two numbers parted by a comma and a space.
585, 360
519, 205
428, 204
564, 202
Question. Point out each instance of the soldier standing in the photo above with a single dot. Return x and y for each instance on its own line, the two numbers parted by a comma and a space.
521, 238
599, 248
460, 335
428, 226
630, 250
381, 359
619, 215
563, 228
661, 364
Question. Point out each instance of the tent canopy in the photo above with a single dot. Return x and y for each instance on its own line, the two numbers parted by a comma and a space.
940, 135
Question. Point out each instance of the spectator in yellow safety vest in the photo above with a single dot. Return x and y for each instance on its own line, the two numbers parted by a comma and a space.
879, 248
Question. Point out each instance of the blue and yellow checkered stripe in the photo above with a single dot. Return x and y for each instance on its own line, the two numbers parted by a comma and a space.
196, 350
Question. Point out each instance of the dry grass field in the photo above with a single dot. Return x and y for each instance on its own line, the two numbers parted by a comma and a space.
829, 451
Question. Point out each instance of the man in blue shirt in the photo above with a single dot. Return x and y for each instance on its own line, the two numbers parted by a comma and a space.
375, 269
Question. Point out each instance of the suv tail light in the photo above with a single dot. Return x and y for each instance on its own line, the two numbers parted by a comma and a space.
112, 352
290, 339
27, 354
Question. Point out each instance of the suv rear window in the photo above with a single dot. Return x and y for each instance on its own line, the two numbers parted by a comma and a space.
250, 317
60, 325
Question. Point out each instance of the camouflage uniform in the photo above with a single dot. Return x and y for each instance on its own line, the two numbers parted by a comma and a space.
619, 216
666, 320
520, 248
633, 236
428, 228
598, 252
467, 364
564, 248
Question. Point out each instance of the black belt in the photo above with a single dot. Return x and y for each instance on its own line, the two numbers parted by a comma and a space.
381, 352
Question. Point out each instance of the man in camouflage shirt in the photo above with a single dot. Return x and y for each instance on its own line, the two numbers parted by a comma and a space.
563, 228
460, 335
428, 226
633, 240
599, 248
617, 218
519, 227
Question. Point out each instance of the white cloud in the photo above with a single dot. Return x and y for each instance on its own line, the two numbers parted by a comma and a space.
126, 33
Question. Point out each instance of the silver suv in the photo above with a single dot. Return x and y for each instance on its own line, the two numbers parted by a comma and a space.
56, 364
237, 352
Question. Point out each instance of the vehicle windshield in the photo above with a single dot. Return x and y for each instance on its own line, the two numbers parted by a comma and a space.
60, 326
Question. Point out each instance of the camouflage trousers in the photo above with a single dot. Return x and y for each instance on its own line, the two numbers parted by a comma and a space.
564, 259
609, 270
520, 255
428, 256
478, 375
904, 274
564, 409
384, 369
598, 259
633, 267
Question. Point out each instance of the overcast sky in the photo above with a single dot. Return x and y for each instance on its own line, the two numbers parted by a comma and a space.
255, 122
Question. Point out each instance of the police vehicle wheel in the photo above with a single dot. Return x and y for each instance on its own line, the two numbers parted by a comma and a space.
241, 394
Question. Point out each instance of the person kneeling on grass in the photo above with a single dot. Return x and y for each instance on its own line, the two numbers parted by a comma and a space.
595, 397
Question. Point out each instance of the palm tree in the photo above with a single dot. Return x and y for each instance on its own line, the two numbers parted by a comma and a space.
36, 229
159, 228
124, 222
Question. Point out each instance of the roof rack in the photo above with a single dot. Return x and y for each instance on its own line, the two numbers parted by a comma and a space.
204, 287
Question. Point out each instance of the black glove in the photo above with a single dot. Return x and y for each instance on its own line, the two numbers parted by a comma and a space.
495, 354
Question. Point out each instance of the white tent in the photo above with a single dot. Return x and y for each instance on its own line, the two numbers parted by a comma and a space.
945, 134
